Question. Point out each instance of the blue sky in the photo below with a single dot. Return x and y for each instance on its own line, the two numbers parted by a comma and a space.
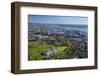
57, 19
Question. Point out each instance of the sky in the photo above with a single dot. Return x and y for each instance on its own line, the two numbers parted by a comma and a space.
57, 19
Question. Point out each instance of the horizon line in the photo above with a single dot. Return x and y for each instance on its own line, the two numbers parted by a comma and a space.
58, 24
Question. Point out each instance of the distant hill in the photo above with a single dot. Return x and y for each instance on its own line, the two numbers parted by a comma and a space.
60, 25
56, 26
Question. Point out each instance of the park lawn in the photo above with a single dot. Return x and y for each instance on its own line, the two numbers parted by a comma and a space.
35, 48
61, 48
34, 52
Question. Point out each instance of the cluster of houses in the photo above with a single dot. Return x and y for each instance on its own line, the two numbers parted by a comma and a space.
43, 35
36, 37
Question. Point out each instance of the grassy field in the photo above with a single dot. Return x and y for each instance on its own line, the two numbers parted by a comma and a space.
36, 47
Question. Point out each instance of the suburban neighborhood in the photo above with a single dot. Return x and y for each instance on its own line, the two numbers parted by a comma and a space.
67, 42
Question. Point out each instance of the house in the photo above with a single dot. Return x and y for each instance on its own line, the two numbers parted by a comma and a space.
49, 51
